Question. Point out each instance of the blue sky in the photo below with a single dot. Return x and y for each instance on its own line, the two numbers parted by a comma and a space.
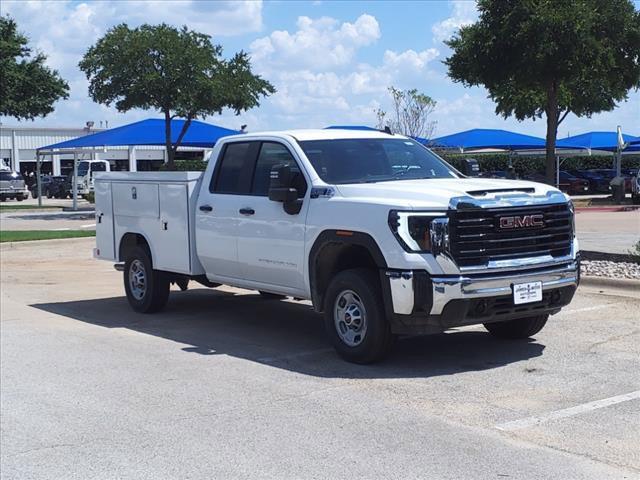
331, 61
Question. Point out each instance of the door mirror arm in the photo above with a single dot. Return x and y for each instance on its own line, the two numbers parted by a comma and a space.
281, 189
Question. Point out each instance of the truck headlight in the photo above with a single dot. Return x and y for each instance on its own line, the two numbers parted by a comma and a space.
414, 229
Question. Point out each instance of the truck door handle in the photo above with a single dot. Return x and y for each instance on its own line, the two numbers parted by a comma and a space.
247, 211
206, 208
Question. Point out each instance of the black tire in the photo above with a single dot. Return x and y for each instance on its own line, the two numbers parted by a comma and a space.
20, 198
376, 341
153, 295
271, 296
517, 329
3, 199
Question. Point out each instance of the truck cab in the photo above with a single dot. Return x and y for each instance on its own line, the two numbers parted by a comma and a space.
378, 232
87, 170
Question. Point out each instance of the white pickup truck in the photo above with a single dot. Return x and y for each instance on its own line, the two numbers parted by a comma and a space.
377, 231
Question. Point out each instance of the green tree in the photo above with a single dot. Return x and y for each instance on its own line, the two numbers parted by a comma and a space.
551, 58
28, 88
411, 113
177, 71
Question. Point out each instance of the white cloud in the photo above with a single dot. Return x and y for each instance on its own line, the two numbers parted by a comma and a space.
464, 12
64, 30
317, 44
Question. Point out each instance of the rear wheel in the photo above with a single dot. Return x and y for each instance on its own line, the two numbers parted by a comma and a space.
147, 289
355, 318
518, 328
20, 197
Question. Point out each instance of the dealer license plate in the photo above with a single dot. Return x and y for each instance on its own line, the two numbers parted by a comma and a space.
527, 292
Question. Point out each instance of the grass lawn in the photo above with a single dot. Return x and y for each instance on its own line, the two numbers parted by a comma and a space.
26, 235
7, 208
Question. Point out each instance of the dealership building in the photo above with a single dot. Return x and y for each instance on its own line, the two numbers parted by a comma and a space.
18, 145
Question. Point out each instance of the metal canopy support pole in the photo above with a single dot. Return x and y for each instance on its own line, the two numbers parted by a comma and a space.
557, 171
75, 181
39, 183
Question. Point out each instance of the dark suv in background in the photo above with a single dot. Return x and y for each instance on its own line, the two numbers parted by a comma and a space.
53, 186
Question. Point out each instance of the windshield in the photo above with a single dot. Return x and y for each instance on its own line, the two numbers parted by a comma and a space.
364, 160
83, 168
10, 176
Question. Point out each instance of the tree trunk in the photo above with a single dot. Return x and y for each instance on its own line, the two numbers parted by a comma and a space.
183, 132
167, 134
552, 131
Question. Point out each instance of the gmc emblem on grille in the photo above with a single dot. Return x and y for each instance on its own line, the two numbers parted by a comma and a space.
521, 221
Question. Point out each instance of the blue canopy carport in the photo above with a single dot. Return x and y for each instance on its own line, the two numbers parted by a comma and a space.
600, 141
482, 138
615, 143
143, 133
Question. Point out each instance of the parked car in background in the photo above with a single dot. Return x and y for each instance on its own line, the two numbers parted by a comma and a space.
597, 183
44, 181
610, 173
568, 183
536, 177
12, 186
58, 187
573, 185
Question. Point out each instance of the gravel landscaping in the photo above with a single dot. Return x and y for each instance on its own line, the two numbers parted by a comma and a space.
605, 268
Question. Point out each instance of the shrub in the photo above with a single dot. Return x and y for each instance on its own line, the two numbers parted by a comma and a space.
525, 165
188, 166
635, 252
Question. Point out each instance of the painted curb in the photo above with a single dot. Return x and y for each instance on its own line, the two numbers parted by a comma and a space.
619, 283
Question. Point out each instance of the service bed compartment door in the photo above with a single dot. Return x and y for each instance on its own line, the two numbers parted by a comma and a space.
105, 241
136, 200
172, 248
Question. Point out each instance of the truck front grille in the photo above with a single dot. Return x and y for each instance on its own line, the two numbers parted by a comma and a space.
476, 236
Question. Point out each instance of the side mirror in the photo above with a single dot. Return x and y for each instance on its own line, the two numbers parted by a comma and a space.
281, 189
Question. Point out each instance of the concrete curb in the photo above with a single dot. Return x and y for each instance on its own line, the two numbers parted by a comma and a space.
621, 208
606, 282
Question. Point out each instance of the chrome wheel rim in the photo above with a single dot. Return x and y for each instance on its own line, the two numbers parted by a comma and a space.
137, 279
350, 318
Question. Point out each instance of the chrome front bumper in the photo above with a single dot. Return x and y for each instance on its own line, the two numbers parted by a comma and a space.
462, 287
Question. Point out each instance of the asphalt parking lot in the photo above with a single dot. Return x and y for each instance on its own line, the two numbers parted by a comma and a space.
224, 384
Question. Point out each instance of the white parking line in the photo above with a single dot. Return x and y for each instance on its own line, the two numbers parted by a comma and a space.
60, 229
567, 412
88, 225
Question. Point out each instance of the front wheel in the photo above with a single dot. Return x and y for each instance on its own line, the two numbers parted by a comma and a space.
355, 318
518, 328
147, 289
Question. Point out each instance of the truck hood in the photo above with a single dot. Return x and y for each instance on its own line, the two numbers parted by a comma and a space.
438, 192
